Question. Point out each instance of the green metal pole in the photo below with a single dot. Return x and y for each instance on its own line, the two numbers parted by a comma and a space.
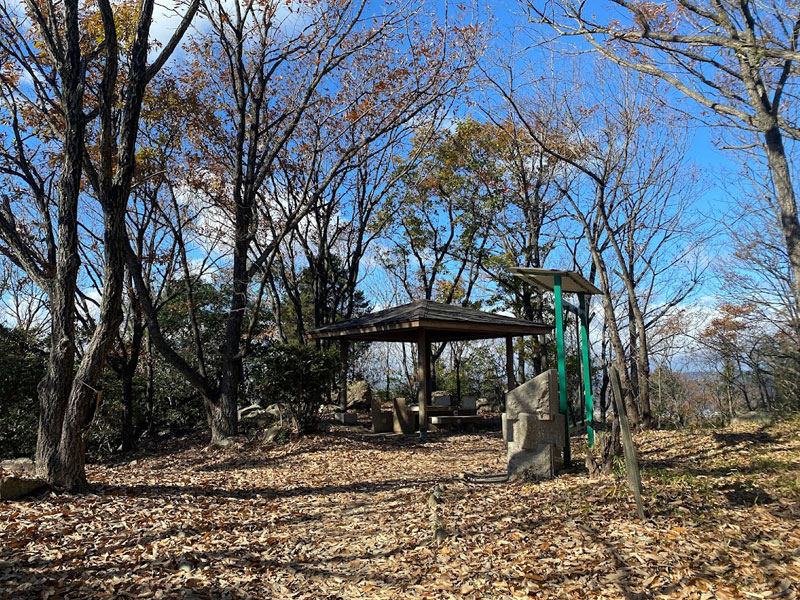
587, 369
562, 367
579, 345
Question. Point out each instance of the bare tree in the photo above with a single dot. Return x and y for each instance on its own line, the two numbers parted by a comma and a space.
266, 68
629, 200
64, 103
736, 60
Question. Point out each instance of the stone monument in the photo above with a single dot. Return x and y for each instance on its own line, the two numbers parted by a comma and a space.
533, 428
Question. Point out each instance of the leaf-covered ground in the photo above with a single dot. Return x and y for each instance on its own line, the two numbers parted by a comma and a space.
343, 515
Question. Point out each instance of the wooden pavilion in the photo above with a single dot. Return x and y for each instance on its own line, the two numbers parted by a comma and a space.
424, 322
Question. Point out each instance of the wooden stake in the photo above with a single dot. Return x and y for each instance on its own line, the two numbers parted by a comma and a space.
631, 462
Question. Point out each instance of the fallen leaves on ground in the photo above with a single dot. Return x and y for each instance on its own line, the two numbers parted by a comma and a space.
344, 515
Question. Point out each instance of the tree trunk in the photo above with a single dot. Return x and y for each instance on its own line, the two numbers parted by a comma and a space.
222, 419
84, 398
150, 391
129, 433
790, 226
55, 388
223, 411
614, 336
128, 429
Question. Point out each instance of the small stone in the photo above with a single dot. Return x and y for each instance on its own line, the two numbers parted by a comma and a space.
345, 418
185, 566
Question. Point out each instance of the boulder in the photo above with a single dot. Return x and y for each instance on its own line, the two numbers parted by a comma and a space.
359, 395
13, 487
274, 433
23, 466
485, 406
248, 411
255, 415
539, 396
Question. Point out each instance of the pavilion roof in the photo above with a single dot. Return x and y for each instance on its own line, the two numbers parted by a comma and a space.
441, 322
571, 281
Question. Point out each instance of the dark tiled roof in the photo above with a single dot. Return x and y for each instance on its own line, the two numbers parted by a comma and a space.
431, 315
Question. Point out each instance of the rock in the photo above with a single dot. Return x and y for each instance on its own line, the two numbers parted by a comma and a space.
255, 415
345, 418
539, 396
485, 406
22, 466
440, 398
248, 411
508, 428
530, 431
359, 395
752, 417
525, 431
533, 428
276, 431
14, 488
185, 566
274, 410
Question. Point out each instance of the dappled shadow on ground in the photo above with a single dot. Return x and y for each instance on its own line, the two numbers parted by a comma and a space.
347, 515
729, 438
252, 456
245, 493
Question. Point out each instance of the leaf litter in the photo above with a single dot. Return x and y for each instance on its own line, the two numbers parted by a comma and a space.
345, 515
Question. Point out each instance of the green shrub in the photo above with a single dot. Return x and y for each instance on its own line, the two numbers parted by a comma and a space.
299, 377
23, 361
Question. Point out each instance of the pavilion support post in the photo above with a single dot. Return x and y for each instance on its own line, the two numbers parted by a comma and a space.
344, 357
587, 369
510, 363
423, 380
562, 366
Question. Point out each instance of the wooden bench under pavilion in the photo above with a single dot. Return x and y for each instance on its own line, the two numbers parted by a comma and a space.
425, 322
